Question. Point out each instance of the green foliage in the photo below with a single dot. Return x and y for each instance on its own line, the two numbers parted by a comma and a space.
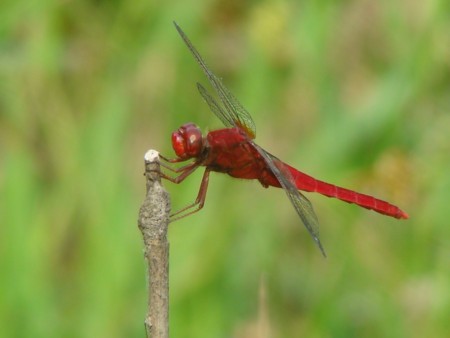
352, 92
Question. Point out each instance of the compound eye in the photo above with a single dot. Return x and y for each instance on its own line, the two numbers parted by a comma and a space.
187, 141
178, 144
194, 141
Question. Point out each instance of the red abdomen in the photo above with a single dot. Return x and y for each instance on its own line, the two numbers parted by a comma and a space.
308, 183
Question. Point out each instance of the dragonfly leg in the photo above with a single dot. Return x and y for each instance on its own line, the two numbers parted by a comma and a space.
180, 169
199, 201
172, 160
184, 172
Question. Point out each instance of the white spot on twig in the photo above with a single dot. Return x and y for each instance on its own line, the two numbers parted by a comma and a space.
151, 155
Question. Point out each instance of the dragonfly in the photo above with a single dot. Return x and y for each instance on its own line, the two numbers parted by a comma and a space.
233, 151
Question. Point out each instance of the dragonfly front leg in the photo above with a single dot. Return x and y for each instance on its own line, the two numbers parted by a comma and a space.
172, 160
199, 201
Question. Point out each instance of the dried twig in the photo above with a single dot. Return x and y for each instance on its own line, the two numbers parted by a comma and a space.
153, 223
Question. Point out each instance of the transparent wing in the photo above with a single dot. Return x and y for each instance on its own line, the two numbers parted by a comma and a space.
234, 114
302, 205
214, 106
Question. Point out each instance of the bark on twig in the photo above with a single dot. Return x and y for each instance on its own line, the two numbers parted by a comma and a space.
153, 223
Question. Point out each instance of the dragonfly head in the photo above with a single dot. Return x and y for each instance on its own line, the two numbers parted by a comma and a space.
187, 141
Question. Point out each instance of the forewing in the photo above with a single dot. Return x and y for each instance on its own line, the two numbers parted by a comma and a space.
302, 205
234, 114
214, 106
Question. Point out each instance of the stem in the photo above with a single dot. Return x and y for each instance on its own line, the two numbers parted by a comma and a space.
153, 223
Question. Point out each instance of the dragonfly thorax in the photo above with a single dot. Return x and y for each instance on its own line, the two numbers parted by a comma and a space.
187, 141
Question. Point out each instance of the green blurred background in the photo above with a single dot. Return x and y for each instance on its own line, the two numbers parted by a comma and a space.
352, 92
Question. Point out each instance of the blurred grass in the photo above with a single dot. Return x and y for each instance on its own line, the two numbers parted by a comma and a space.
353, 92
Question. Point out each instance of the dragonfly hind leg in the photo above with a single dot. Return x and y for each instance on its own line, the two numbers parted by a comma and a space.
199, 201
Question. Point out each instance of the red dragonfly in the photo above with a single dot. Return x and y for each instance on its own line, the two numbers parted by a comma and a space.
232, 151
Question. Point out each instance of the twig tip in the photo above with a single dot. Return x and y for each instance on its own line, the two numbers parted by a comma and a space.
151, 155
